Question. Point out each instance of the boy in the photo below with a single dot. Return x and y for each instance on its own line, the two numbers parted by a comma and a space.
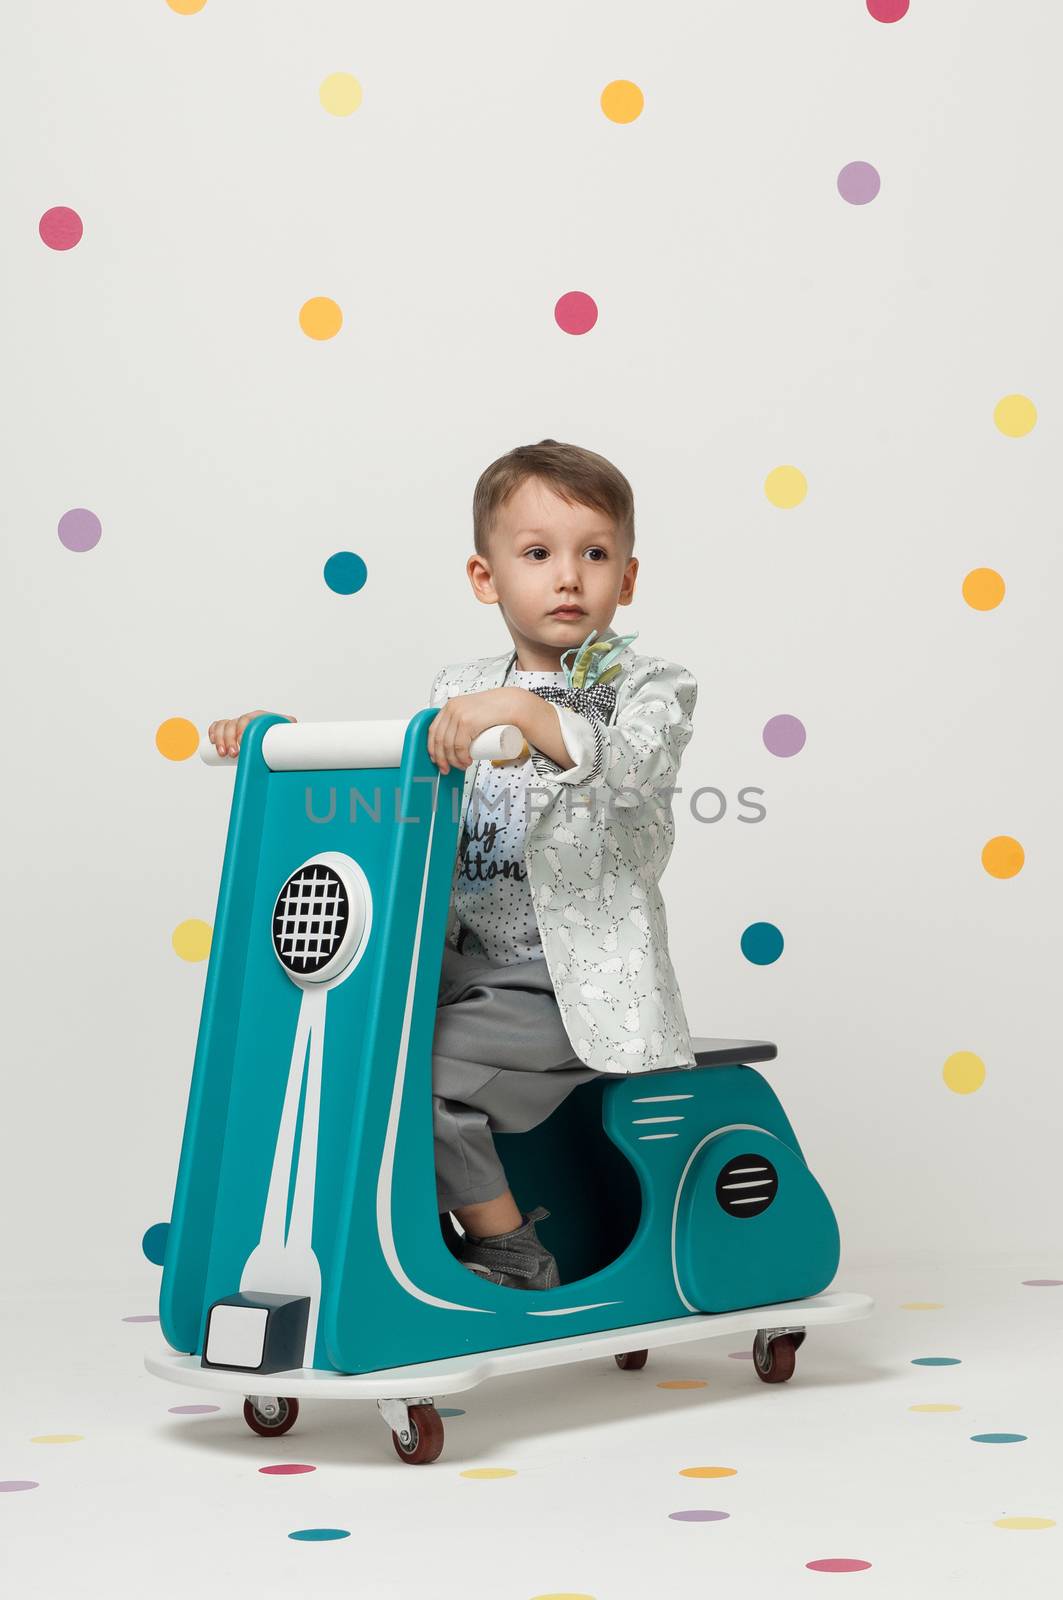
556, 963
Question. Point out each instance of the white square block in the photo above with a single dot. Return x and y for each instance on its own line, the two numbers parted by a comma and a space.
236, 1335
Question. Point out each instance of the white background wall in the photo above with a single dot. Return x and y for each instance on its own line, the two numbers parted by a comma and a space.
749, 317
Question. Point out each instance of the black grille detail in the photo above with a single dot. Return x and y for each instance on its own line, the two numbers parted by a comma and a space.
310, 918
747, 1185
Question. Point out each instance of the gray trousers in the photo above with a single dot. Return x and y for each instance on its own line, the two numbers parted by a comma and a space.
501, 1059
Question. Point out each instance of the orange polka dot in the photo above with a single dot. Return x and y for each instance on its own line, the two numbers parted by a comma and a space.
1003, 856
177, 738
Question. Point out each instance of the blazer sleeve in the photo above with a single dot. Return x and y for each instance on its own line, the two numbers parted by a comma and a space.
437, 695
640, 750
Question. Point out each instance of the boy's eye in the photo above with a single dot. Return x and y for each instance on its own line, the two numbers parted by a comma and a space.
538, 549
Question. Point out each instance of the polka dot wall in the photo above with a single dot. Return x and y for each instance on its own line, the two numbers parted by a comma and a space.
697, 1498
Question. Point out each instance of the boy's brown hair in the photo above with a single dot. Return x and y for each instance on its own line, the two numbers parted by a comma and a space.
579, 476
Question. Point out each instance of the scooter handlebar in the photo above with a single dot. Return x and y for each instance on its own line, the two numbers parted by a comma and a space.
323, 746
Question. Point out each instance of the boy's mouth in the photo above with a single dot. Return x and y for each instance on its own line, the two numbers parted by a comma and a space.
568, 613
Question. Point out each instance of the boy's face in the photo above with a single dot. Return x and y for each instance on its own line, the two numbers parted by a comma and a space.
544, 553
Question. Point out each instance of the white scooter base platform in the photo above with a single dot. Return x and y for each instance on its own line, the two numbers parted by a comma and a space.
457, 1373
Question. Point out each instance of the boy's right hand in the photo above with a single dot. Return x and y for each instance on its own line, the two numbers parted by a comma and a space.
226, 733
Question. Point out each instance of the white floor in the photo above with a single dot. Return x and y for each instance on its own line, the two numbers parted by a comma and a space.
134, 1499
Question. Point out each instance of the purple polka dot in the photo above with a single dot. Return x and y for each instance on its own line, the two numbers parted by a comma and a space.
192, 1411
837, 1564
1042, 1283
286, 1469
60, 228
784, 735
698, 1516
10, 1485
79, 529
858, 183
140, 1319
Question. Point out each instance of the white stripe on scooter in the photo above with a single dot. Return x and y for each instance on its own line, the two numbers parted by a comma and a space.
679, 1190
286, 1264
384, 1223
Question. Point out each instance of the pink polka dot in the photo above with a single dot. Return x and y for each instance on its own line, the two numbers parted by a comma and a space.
12, 1485
1042, 1283
698, 1516
887, 10
60, 228
284, 1469
145, 1318
837, 1564
575, 312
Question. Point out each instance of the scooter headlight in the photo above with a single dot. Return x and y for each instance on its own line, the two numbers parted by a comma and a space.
318, 921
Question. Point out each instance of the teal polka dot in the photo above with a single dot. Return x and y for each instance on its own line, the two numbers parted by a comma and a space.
762, 943
936, 1361
153, 1243
320, 1533
997, 1438
345, 573
450, 1411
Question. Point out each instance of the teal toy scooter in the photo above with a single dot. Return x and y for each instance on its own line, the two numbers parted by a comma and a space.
305, 1256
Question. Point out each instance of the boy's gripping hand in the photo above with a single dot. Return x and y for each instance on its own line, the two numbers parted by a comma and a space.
226, 733
461, 719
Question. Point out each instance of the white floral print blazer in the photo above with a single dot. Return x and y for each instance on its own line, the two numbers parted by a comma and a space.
594, 865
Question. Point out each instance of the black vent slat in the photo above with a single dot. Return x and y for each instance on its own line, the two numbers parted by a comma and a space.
737, 1180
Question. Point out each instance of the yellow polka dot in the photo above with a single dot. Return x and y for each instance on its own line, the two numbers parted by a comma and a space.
177, 738
930, 1406
622, 101
922, 1305
683, 1383
983, 589
963, 1072
786, 487
340, 94
489, 1472
707, 1472
320, 318
57, 1438
565, 1596
1025, 1522
191, 939
1003, 856
186, 8
1015, 415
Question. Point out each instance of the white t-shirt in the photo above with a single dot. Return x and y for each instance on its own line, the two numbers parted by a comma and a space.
491, 895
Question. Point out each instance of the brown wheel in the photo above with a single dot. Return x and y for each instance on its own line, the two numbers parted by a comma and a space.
426, 1436
270, 1427
631, 1360
774, 1362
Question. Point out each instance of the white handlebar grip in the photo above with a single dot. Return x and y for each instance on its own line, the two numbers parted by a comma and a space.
324, 746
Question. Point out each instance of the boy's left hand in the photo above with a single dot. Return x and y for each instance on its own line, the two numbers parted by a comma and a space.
461, 720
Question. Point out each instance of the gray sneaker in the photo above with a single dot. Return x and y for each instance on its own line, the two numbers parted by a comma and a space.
518, 1259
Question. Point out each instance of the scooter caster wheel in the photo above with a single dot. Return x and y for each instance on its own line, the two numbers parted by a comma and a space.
631, 1360
271, 1426
426, 1436
774, 1361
